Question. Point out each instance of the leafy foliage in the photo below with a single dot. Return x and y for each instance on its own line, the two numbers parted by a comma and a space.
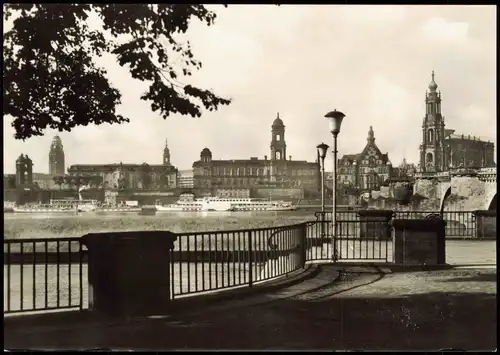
50, 77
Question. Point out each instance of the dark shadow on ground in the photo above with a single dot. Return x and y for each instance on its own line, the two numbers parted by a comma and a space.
474, 278
429, 321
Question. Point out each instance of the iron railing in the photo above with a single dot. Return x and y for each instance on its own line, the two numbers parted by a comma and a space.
50, 274
355, 240
208, 261
459, 224
44, 274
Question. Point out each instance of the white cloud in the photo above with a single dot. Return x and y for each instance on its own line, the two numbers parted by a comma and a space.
441, 30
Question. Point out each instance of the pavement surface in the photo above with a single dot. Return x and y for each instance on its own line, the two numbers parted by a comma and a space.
349, 307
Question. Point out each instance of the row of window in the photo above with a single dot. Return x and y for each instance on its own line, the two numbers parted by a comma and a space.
216, 171
369, 162
363, 170
242, 182
369, 178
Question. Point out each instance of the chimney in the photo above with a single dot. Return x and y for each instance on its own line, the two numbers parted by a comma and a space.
265, 157
289, 157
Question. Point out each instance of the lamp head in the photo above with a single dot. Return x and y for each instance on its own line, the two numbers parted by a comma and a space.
322, 150
335, 121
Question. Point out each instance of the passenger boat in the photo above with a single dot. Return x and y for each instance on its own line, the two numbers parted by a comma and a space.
206, 204
217, 204
59, 206
252, 204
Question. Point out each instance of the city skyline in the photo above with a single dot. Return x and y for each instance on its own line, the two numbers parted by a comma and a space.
292, 66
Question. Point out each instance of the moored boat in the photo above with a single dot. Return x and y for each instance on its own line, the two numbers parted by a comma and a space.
59, 206
217, 204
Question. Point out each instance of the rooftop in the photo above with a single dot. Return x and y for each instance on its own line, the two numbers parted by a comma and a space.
467, 137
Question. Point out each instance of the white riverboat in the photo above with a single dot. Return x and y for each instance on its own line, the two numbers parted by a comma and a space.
217, 204
253, 204
59, 206
206, 204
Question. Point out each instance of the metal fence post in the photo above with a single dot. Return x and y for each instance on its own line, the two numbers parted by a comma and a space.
303, 243
250, 259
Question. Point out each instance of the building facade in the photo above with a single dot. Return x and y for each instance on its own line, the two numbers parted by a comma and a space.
254, 173
185, 179
441, 148
469, 152
366, 170
131, 176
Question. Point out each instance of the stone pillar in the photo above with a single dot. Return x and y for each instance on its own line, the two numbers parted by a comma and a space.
129, 272
486, 224
375, 224
419, 242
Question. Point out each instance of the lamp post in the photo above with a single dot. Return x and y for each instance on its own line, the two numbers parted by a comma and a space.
335, 120
322, 150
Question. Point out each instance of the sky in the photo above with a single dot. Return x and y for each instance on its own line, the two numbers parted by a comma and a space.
373, 63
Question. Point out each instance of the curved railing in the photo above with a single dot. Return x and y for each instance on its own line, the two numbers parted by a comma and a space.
49, 274
208, 261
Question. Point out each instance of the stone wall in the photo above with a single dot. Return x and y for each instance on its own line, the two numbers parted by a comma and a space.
468, 192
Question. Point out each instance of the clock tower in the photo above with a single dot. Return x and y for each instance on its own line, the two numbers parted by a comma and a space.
278, 144
432, 149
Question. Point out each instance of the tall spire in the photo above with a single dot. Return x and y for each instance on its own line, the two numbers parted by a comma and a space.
166, 154
371, 135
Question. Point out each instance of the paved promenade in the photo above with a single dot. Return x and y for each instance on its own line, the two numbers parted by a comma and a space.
341, 308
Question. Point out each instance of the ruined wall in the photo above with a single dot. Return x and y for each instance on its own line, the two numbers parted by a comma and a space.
468, 193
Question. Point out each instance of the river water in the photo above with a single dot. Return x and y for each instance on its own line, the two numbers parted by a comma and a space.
20, 226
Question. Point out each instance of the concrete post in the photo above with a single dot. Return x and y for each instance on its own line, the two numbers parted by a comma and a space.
419, 242
129, 272
486, 224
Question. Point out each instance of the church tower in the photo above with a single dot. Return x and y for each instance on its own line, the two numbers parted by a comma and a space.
166, 154
278, 145
56, 157
432, 149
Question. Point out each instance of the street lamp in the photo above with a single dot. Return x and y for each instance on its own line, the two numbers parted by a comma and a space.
335, 121
322, 150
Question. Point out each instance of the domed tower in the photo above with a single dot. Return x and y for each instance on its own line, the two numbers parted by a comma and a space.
166, 154
20, 170
432, 149
206, 155
56, 157
278, 145
24, 170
